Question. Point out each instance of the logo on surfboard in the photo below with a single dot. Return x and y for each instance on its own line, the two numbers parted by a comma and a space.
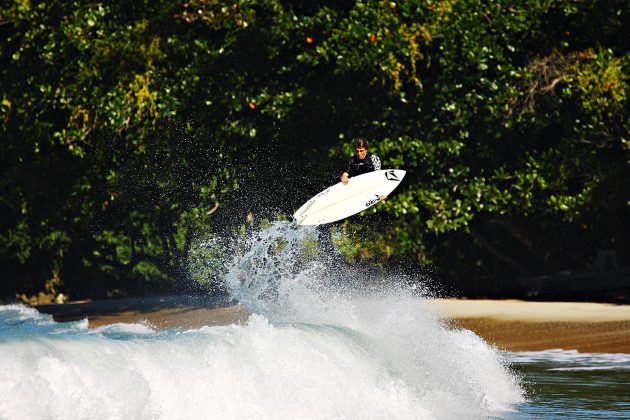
391, 176
372, 201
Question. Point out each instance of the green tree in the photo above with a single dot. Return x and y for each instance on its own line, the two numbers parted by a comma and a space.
133, 131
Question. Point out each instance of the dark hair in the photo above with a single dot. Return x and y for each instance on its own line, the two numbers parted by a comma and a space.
360, 142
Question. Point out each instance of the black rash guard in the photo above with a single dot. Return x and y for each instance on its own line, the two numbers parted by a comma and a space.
356, 166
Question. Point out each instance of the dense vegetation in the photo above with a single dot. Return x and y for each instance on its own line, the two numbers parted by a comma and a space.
133, 131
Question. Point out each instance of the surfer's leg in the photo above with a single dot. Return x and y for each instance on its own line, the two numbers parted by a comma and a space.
324, 241
326, 247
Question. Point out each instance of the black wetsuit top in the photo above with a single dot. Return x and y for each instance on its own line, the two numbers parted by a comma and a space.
356, 166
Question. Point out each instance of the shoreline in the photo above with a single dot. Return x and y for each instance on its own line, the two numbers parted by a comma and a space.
530, 311
510, 325
516, 325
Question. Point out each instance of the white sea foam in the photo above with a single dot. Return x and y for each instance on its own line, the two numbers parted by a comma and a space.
123, 328
19, 312
573, 359
315, 346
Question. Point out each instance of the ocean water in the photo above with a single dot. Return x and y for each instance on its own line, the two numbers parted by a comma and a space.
569, 384
320, 342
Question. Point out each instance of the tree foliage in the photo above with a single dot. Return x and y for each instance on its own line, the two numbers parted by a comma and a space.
132, 130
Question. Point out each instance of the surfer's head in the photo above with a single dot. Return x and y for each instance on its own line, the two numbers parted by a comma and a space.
361, 147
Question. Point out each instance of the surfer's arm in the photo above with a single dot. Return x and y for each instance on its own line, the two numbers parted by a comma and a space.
346, 172
376, 162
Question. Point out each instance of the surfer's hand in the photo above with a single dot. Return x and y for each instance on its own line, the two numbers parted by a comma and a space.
382, 197
344, 178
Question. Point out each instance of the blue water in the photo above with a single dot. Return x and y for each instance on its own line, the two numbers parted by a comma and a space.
569, 384
313, 347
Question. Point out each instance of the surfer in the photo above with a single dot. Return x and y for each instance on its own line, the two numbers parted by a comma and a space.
361, 162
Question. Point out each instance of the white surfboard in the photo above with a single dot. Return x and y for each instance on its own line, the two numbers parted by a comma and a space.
341, 201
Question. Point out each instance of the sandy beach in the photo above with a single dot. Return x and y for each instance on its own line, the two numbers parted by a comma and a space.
508, 324
530, 326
